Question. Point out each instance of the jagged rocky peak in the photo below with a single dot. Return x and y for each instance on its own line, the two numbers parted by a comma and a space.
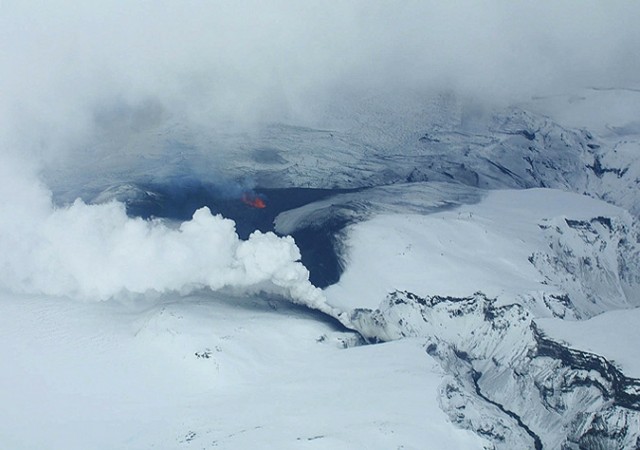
595, 262
509, 382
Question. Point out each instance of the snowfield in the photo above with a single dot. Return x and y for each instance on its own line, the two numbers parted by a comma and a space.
613, 334
209, 371
479, 247
474, 281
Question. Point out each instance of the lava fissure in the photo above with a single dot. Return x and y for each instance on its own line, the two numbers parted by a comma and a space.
253, 200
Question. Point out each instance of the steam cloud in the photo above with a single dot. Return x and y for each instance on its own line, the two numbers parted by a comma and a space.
97, 252
64, 65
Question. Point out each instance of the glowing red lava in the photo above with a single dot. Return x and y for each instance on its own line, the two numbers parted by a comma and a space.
253, 200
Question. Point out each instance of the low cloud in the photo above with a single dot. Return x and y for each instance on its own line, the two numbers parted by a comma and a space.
242, 62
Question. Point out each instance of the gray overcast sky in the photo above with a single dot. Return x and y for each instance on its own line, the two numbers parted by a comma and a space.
241, 60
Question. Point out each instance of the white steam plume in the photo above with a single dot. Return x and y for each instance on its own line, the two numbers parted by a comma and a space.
97, 251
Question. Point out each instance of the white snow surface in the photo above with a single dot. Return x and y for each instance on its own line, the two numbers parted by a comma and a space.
208, 372
612, 334
478, 247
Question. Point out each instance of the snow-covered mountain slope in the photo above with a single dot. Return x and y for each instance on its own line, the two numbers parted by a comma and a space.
209, 371
612, 334
508, 382
471, 281
466, 241
560, 253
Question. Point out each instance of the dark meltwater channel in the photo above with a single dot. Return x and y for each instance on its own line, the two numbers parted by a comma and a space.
252, 210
